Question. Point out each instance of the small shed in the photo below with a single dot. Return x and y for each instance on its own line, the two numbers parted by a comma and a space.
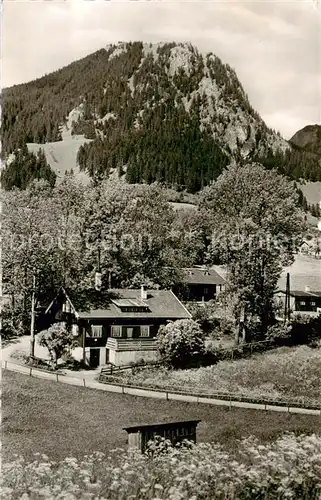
176, 432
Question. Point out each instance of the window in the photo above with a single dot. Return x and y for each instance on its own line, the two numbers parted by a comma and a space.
75, 330
130, 305
302, 302
144, 331
205, 291
130, 332
96, 330
66, 307
116, 331
313, 303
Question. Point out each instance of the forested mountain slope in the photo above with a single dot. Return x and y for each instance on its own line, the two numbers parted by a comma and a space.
308, 139
161, 112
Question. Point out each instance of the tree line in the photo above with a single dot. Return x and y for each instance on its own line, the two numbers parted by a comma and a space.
64, 234
24, 167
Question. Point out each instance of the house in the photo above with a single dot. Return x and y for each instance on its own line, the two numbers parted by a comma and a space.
302, 301
200, 284
119, 326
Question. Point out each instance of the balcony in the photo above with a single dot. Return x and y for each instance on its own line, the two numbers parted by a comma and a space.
138, 344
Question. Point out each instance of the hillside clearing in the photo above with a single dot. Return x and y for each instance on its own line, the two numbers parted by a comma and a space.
312, 191
62, 155
60, 420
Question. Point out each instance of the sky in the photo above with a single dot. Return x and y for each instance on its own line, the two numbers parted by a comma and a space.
274, 46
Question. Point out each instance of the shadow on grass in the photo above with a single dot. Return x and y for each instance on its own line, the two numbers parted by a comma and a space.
49, 365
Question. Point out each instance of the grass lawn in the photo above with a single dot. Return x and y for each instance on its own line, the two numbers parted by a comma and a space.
287, 373
61, 420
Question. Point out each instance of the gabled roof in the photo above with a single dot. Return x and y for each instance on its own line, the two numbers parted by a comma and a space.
160, 303
302, 293
300, 281
305, 271
202, 276
158, 426
64, 292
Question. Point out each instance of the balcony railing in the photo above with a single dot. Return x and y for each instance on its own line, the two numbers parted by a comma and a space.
120, 344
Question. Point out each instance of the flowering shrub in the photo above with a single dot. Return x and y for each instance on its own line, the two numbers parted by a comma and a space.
57, 339
180, 343
288, 468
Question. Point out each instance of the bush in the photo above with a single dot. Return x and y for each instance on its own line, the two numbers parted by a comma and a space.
315, 344
302, 329
70, 363
58, 339
224, 328
15, 322
181, 343
279, 331
203, 314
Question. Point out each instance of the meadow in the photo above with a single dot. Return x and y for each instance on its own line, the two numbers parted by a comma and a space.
41, 416
286, 373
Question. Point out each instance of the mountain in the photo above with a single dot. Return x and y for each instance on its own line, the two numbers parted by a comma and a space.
150, 112
308, 139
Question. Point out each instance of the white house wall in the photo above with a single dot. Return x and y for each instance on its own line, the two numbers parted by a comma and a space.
126, 357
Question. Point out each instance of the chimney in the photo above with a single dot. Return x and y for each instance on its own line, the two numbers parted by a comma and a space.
206, 271
143, 293
307, 288
98, 281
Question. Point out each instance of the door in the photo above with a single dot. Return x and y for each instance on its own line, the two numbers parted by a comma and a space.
94, 358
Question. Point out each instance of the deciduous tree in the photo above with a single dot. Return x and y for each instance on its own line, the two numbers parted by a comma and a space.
257, 227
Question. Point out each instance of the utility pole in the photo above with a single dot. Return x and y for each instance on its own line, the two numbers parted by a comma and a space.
98, 273
1, 270
32, 323
287, 299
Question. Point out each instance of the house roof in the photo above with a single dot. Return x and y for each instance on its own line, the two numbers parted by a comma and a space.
300, 281
305, 271
158, 426
202, 276
302, 293
160, 303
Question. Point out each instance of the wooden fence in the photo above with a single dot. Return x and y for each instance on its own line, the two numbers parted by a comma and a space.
111, 369
249, 348
220, 399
